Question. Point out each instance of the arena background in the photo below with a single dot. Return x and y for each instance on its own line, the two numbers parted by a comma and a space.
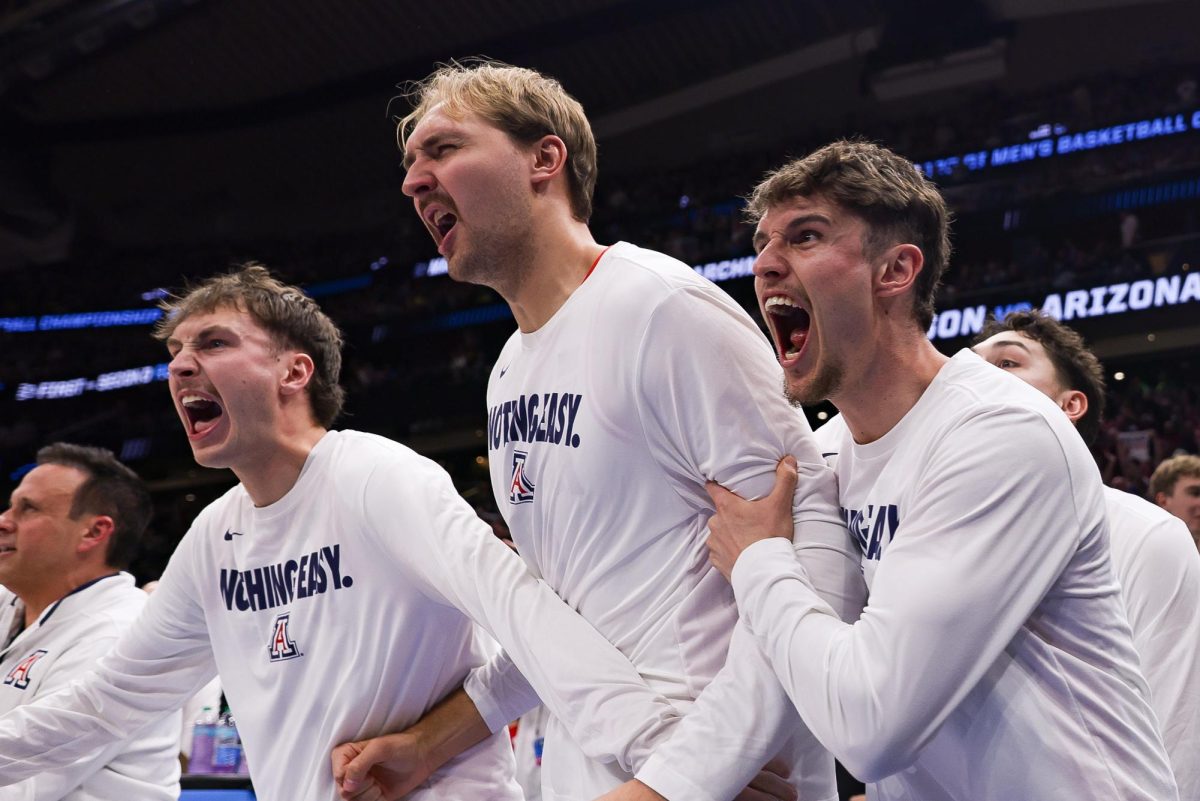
146, 143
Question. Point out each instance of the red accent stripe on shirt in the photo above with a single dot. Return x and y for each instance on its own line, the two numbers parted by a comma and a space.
597, 261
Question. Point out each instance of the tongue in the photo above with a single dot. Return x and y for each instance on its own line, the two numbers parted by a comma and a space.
201, 426
797, 339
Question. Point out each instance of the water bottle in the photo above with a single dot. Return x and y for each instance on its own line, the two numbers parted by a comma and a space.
204, 733
227, 748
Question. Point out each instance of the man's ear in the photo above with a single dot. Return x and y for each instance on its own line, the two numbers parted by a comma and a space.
1074, 403
99, 531
300, 370
898, 270
549, 159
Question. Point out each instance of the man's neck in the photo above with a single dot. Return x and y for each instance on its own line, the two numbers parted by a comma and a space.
560, 259
38, 599
889, 386
276, 469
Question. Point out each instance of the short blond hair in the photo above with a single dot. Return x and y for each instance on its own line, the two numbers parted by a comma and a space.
523, 103
885, 190
1168, 473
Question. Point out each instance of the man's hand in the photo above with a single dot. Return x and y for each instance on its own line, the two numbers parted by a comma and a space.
738, 523
769, 785
380, 769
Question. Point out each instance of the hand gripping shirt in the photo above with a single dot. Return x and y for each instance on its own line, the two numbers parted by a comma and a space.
1158, 568
603, 427
63, 645
993, 660
334, 615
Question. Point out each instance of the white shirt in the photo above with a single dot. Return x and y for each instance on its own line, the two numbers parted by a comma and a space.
603, 426
993, 660
334, 615
62, 645
1158, 568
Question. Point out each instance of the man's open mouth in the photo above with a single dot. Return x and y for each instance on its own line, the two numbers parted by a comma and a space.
440, 222
202, 412
789, 323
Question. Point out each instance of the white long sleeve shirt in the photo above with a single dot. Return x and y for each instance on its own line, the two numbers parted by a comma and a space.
603, 426
63, 645
1158, 568
333, 615
993, 660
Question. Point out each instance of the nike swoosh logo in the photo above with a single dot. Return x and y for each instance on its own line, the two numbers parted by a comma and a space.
503, 370
230, 534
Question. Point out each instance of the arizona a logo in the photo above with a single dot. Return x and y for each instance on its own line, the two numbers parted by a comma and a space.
520, 489
282, 646
18, 677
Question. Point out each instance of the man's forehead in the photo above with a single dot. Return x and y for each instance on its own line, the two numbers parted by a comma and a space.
783, 210
227, 315
48, 480
439, 120
1010, 339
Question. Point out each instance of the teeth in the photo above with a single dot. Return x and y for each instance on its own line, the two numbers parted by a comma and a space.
779, 300
188, 400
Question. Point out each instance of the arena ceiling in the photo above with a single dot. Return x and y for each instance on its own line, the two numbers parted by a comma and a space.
147, 122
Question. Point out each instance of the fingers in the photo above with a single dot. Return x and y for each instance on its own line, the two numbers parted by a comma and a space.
779, 766
355, 773
340, 757
786, 476
773, 786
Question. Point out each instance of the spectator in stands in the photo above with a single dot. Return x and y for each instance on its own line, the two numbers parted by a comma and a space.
1175, 486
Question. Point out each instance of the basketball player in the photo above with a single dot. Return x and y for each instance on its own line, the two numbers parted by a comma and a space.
71, 527
326, 587
1154, 558
992, 660
629, 383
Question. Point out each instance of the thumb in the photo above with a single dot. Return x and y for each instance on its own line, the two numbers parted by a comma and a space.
786, 477
718, 493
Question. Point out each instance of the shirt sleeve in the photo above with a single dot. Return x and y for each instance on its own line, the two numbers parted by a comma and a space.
712, 408
76, 661
1161, 590
155, 665
992, 523
453, 555
501, 694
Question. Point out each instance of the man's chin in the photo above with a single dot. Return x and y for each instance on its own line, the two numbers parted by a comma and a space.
811, 390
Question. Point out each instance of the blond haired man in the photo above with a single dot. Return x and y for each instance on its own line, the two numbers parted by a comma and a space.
629, 383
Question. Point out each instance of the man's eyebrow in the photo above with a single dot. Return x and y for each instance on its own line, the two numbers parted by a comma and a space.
760, 237
1014, 342
203, 333
428, 143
